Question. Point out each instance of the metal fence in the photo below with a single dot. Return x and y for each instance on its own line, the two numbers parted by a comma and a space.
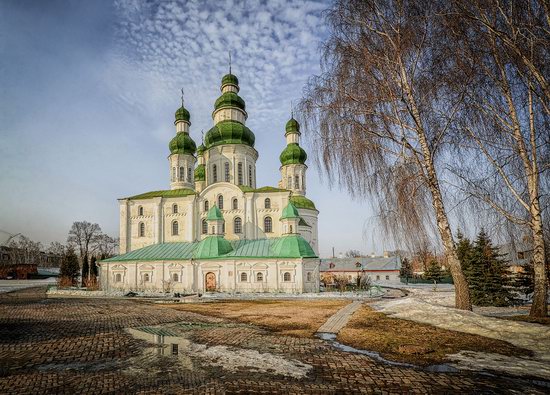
420, 280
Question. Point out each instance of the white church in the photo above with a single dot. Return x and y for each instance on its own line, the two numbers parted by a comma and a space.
215, 230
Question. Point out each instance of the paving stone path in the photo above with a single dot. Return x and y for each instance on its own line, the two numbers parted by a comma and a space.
339, 320
87, 346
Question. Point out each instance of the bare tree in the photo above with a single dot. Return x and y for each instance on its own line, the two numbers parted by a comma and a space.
25, 251
353, 254
105, 246
378, 116
82, 236
502, 48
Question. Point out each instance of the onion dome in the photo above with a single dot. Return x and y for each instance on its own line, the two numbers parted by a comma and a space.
290, 211
229, 99
200, 150
293, 154
182, 144
182, 114
229, 132
200, 173
230, 79
292, 126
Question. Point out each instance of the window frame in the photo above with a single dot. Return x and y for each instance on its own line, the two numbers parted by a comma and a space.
220, 202
268, 220
214, 173
175, 208
260, 277
287, 277
204, 226
227, 174
240, 180
243, 277
175, 228
239, 229
267, 203
206, 206
235, 204
182, 173
141, 229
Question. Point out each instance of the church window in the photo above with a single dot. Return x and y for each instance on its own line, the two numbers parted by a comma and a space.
296, 182
268, 224
140, 210
118, 278
308, 276
226, 171
286, 277
174, 209
267, 203
146, 278
237, 225
189, 174
240, 173
223, 227
220, 202
214, 173
141, 229
175, 349
174, 174
249, 175
175, 277
303, 182
204, 227
206, 205
289, 182
235, 204
244, 277
387, 277
259, 277
290, 229
213, 230
182, 173
175, 228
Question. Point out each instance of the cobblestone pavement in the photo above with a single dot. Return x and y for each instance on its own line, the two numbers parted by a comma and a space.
69, 346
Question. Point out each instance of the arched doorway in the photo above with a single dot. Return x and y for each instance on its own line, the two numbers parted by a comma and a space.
210, 281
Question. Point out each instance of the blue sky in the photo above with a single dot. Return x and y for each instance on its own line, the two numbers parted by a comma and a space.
88, 94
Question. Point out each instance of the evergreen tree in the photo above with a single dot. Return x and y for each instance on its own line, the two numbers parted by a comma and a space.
488, 275
85, 269
69, 266
525, 280
464, 250
93, 266
434, 272
406, 269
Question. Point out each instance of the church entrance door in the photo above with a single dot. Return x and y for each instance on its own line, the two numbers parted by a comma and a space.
210, 282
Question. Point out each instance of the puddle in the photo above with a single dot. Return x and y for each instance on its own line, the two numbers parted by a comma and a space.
331, 337
174, 341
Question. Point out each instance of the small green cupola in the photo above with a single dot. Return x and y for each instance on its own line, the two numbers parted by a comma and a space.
215, 221
293, 160
230, 79
292, 126
293, 154
182, 115
182, 143
290, 219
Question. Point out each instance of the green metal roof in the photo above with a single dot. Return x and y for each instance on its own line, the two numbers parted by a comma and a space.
182, 143
229, 132
214, 214
213, 247
166, 194
182, 114
290, 211
246, 188
229, 99
230, 79
302, 202
216, 247
292, 126
293, 154
303, 223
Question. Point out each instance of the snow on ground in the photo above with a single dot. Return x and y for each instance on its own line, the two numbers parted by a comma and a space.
14, 285
425, 306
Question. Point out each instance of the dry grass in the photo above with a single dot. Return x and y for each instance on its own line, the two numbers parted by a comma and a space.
289, 317
408, 341
526, 318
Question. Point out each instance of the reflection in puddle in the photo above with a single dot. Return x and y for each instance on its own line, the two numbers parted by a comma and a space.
331, 337
174, 341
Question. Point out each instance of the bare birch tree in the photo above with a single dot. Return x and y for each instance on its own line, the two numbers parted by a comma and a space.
502, 48
378, 117
82, 236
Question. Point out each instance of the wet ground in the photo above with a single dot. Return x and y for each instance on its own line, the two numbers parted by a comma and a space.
123, 346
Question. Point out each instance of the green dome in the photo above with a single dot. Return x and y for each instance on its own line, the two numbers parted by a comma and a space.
201, 149
292, 246
293, 154
182, 114
214, 214
200, 173
229, 99
290, 211
213, 247
182, 144
292, 126
229, 132
230, 79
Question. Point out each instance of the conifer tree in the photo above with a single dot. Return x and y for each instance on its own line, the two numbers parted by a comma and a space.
85, 269
406, 269
525, 280
69, 266
464, 251
434, 272
93, 266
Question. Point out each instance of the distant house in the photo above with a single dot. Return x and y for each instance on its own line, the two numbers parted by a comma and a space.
381, 269
517, 255
13, 268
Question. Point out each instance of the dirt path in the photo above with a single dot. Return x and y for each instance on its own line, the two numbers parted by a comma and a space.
336, 322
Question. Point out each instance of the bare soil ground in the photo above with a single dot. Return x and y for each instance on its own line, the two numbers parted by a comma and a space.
299, 318
412, 342
525, 318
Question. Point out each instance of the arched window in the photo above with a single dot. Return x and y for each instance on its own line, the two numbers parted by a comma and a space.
141, 229
268, 225
182, 173
189, 174
240, 173
267, 203
249, 175
204, 227
175, 228
220, 202
226, 171
290, 229
308, 276
223, 227
259, 277
237, 225
118, 278
174, 208
214, 173
235, 204
244, 277
206, 205
140, 210
174, 174
296, 182
175, 277
289, 182
303, 182
286, 277
146, 278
